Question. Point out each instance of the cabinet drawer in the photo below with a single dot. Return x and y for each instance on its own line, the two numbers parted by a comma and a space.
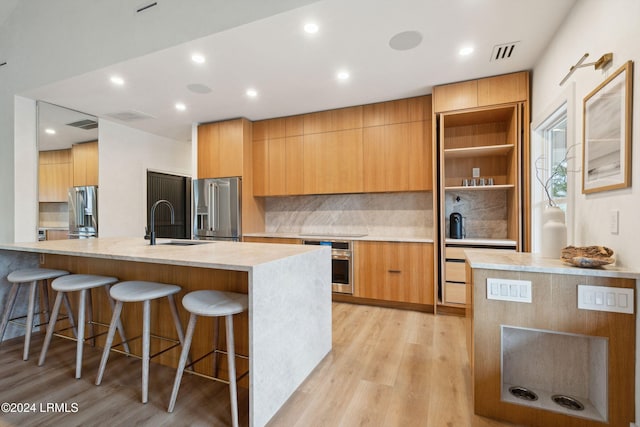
454, 252
455, 293
455, 272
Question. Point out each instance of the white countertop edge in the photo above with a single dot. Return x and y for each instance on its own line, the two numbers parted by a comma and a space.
371, 238
535, 263
480, 242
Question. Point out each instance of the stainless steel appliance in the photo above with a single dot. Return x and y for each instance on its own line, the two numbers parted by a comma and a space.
83, 212
217, 208
341, 264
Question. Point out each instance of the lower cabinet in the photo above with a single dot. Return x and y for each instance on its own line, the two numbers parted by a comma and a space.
394, 271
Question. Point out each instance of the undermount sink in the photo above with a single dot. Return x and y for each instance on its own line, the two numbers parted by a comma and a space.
186, 242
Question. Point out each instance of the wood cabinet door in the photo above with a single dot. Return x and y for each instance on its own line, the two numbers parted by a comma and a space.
455, 96
208, 150
503, 89
55, 175
85, 163
394, 271
333, 162
230, 152
397, 157
294, 161
277, 167
260, 167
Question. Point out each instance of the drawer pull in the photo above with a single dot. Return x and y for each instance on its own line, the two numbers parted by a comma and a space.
395, 271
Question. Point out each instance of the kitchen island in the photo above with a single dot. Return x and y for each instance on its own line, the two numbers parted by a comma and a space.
551, 344
286, 332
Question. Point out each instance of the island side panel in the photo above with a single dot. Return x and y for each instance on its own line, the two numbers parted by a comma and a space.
553, 308
11, 261
290, 327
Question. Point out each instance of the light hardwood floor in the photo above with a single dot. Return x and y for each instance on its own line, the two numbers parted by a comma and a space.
388, 368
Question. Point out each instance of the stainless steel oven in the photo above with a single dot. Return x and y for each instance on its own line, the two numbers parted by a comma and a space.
341, 264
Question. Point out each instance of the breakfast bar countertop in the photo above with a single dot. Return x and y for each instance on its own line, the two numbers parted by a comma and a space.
204, 253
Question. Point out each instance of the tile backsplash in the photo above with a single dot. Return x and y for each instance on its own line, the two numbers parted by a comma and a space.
484, 212
378, 214
54, 215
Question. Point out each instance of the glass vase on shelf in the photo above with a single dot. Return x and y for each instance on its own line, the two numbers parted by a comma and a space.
554, 232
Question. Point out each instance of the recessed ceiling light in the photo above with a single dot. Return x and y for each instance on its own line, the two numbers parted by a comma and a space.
311, 28
117, 80
343, 75
468, 50
50, 131
180, 106
252, 93
197, 58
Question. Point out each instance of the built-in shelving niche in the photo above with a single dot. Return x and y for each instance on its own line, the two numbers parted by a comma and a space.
552, 363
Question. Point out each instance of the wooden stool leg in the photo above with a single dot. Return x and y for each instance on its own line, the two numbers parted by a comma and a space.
46, 307
90, 317
216, 340
8, 308
67, 307
123, 337
81, 324
231, 359
115, 318
50, 327
183, 360
146, 337
29, 327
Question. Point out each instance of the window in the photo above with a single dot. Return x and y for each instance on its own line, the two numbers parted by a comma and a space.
554, 156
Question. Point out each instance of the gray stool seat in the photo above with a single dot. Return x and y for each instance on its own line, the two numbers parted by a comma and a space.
82, 283
216, 304
145, 292
136, 291
32, 276
78, 282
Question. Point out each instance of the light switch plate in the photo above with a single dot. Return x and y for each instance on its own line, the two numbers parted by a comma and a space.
606, 298
614, 224
509, 290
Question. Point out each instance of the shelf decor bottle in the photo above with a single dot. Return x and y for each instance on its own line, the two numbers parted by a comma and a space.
554, 232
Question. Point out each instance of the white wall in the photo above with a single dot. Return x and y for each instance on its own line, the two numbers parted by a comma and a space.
45, 41
125, 156
26, 183
597, 27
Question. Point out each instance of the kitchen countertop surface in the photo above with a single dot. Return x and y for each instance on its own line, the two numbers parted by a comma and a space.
481, 242
218, 254
341, 236
528, 262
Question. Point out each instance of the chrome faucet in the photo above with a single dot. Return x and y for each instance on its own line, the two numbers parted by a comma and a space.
152, 235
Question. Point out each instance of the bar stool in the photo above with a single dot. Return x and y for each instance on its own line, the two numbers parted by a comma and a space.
81, 283
34, 276
145, 292
212, 304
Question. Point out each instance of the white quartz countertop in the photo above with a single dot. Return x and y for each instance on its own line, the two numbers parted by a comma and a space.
481, 242
212, 254
339, 236
523, 261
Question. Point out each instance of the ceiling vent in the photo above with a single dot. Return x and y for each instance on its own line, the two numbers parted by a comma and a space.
84, 124
130, 116
502, 52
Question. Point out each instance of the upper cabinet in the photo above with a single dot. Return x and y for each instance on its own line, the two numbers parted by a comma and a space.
55, 169
378, 147
481, 93
85, 163
221, 148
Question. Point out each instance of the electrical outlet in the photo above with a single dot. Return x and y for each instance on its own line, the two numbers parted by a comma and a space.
476, 172
614, 221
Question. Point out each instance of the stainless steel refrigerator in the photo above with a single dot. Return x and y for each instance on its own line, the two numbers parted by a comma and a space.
83, 212
217, 208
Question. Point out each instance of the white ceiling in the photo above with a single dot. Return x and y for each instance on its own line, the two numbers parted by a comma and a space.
294, 72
